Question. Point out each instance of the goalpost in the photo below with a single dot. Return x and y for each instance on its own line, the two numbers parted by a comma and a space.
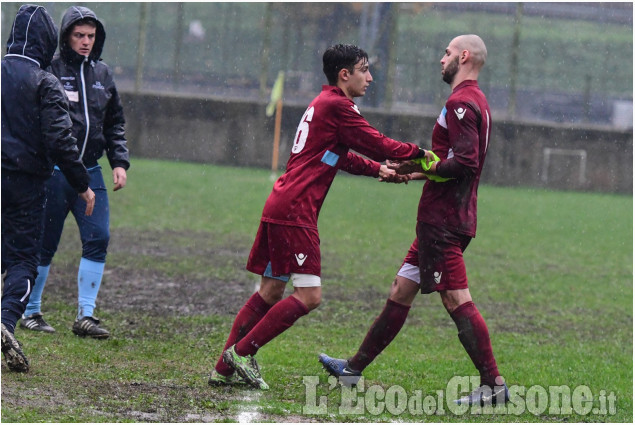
548, 153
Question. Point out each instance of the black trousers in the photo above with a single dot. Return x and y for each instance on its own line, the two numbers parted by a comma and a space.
23, 200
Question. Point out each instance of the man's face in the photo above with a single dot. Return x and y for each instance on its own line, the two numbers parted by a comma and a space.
82, 39
450, 63
359, 79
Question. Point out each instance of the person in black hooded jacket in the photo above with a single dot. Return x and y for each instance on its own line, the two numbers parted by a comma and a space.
98, 126
36, 133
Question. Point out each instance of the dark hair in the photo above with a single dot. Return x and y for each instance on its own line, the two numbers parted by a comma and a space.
85, 21
338, 57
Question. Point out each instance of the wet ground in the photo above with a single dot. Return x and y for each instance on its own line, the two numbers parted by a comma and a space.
147, 274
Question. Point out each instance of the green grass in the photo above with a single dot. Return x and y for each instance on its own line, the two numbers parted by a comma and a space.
550, 271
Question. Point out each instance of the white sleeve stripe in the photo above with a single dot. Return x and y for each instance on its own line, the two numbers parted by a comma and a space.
487, 131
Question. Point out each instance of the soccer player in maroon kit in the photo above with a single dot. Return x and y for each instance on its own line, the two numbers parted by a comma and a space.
287, 245
446, 223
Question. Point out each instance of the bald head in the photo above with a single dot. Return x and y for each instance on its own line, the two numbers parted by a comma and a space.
475, 45
463, 59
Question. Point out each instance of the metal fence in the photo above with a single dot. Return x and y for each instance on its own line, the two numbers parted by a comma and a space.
559, 62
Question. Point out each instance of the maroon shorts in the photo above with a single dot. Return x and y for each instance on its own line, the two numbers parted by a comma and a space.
289, 249
439, 255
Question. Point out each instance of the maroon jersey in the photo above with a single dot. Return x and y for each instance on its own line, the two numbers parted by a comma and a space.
331, 125
460, 138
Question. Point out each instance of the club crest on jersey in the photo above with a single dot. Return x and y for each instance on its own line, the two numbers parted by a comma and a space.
356, 109
300, 258
459, 113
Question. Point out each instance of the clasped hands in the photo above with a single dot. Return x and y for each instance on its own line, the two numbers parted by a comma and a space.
404, 171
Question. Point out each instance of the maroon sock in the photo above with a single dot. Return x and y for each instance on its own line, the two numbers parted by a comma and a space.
277, 320
383, 330
474, 336
249, 315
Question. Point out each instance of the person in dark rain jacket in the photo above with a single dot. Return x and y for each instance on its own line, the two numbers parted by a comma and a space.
98, 126
36, 134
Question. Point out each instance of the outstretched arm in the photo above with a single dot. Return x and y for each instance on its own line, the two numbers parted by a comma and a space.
356, 133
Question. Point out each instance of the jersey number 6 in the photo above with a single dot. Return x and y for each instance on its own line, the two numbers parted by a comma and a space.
303, 131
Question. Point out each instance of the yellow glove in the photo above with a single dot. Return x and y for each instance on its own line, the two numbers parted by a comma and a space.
426, 164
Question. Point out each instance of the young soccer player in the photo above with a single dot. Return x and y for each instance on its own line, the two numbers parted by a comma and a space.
287, 245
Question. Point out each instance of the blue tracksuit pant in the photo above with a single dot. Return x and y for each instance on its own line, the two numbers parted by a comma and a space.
94, 232
23, 201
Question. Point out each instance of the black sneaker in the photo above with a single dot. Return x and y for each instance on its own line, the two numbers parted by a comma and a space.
89, 326
16, 360
35, 322
340, 369
486, 395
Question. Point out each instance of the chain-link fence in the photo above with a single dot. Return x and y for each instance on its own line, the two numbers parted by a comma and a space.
557, 62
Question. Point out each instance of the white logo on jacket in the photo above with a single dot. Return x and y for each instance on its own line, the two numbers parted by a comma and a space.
459, 113
356, 109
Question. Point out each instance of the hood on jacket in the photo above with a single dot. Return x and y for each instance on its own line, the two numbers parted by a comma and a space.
71, 16
33, 35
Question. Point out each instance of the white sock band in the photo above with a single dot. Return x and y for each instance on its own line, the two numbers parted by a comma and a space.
305, 280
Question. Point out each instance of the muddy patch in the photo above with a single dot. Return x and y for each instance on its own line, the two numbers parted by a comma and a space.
176, 273
145, 402
161, 273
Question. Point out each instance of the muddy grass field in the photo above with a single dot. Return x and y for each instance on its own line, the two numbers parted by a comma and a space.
136, 300
155, 283
175, 279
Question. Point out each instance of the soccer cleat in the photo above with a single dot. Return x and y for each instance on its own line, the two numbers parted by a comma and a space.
486, 395
340, 369
35, 322
16, 360
246, 367
216, 379
89, 326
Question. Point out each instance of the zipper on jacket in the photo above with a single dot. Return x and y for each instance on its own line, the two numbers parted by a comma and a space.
85, 99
